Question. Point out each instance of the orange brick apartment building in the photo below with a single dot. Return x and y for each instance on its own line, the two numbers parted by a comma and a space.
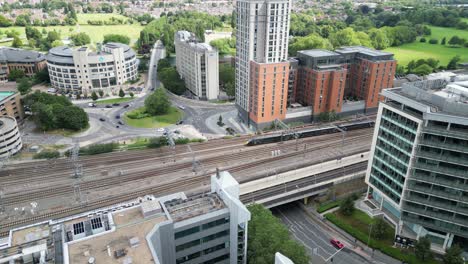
322, 80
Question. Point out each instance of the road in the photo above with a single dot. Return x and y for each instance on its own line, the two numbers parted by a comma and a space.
314, 237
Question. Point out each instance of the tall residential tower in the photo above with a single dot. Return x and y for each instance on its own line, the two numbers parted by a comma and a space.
262, 69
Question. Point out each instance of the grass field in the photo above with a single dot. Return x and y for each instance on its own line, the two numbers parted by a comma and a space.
417, 50
83, 18
96, 33
114, 100
170, 118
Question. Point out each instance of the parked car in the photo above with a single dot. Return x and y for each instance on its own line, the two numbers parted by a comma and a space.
117, 127
160, 129
335, 242
126, 106
108, 106
120, 123
180, 122
181, 107
152, 89
115, 104
91, 104
117, 116
102, 119
177, 131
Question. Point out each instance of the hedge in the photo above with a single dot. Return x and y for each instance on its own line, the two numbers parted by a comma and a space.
47, 154
327, 206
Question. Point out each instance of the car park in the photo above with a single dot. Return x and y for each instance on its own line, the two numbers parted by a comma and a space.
335, 242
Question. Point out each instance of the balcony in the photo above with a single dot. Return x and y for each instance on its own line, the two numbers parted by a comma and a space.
442, 131
456, 184
402, 174
389, 131
437, 225
441, 157
438, 205
447, 146
447, 217
441, 170
442, 194
396, 156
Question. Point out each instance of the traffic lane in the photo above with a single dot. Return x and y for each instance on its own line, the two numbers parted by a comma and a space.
313, 236
304, 231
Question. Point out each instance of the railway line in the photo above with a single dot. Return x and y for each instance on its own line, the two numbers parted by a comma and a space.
242, 159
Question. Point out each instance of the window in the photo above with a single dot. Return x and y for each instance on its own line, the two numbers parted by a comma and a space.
78, 228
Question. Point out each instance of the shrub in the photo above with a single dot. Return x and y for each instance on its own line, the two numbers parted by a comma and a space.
433, 41
47, 154
157, 142
138, 115
182, 141
422, 40
98, 149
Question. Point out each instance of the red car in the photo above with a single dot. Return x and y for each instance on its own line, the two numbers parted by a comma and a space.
336, 243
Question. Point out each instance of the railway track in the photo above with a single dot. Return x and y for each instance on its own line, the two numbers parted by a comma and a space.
181, 184
19, 197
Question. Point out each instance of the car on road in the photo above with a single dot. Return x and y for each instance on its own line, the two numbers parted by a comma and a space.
91, 104
336, 243
108, 106
177, 131
160, 129
120, 123
181, 107
115, 104
102, 119
180, 122
152, 89
117, 116
126, 106
117, 127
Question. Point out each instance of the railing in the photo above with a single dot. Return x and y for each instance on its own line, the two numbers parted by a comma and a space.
459, 133
432, 214
428, 191
434, 168
439, 181
448, 146
440, 157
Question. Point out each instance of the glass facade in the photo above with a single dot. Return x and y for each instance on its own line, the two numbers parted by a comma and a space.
395, 140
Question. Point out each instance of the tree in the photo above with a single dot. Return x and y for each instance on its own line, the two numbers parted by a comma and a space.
5, 22
312, 41
16, 42
101, 93
94, 96
53, 36
220, 121
15, 74
379, 38
56, 43
116, 38
347, 206
400, 70
422, 249
23, 20
121, 93
230, 89
131, 94
348, 37
453, 63
42, 76
24, 85
157, 103
422, 70
422, 40
80, 39
453, 255
380, 228
456, 41
267, 235
443, 41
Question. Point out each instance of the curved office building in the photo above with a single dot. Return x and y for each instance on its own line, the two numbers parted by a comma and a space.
82, 70
10, 139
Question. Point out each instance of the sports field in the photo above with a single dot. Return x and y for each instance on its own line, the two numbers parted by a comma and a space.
96, 33
83, 18
417, 50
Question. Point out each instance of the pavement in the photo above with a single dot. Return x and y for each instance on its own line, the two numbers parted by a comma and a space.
311, 230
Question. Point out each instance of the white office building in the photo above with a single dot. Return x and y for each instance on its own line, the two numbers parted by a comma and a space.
261, 36
82, 70
197, 64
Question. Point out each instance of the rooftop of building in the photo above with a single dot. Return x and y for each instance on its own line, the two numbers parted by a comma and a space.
66, 51
318, 53
182, 209
437, 96
126, 244
7, 123
190, 39
363, 50
8, 54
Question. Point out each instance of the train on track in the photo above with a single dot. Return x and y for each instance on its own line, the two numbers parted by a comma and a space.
310, 132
